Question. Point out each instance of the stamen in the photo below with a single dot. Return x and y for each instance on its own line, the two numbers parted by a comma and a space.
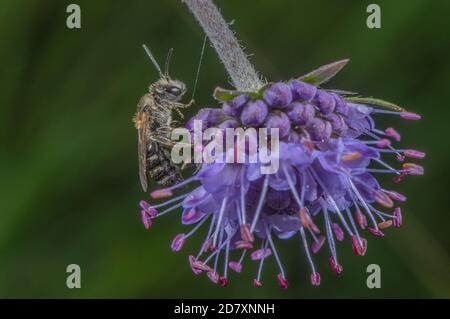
316, 245
338, 231
352, 222
277, 258
303, 218
168, 210
361, 219
192, 261
315, 279
178, 242
223, 282
375, 170
161, 193
329, 233
283, 282
404, 115
396, 196
305, 247
413, 169
208, 236
377, 138
410, 116
238, 213
359, 245
222, 244
243, 244
383, 199
183, 183
219, 221
353, 156
302, 191
383, 143
393, 133
398, 217
386, 165
331, 201
260, 253
385, 224
335, 266
146, 219
380, 213
199, 224
148, 208
227, 255
213, 276
399, 178
237, 266
260, 203
363, 203
375, 232
198, 265
167, 202
243, 199
246, 234
414, 154
219, 248
257, 282
338, 212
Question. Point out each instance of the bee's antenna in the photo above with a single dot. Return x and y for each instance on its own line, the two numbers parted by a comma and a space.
150, 55
198, 68
166, 68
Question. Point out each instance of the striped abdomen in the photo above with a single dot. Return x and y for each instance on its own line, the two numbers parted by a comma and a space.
160, 167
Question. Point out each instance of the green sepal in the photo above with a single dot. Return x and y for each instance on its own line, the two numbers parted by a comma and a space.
225, 95
324, 73
375, 103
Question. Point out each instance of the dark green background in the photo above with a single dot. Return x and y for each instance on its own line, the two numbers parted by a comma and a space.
69, 186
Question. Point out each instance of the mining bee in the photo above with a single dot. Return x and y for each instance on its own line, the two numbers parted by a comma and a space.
153, 120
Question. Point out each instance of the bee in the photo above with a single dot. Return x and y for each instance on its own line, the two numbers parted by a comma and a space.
153, 120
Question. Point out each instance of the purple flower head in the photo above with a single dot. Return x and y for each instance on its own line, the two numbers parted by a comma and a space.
324, 192
302, 91
254, 113
234, 107
280, 121
300, 113
325, 102
209, 117
278, 95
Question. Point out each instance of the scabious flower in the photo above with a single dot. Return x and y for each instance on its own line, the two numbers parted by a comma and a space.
329, 154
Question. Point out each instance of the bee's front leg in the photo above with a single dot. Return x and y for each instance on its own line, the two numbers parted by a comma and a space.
179, 112
162, 136
163, 140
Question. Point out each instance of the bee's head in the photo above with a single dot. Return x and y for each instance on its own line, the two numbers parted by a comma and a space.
168, 89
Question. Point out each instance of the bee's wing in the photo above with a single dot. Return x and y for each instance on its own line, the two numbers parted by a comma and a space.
142, 121
142, 152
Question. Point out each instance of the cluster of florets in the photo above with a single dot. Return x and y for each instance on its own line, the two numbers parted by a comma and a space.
328, 151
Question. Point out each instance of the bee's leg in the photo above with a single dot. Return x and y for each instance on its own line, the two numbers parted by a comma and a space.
179, 112
183, 105
164, 130
163, 140
161, 137
197, 167
175, 124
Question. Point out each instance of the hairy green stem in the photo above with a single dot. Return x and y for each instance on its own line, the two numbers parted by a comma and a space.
242, 73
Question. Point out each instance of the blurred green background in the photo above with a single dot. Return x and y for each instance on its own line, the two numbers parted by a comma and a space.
69, 186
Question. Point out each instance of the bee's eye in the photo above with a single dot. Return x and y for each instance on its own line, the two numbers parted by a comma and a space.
174, 90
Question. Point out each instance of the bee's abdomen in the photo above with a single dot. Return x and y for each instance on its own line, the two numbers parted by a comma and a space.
160, 167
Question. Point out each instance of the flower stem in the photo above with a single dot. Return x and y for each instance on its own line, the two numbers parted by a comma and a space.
241, 71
